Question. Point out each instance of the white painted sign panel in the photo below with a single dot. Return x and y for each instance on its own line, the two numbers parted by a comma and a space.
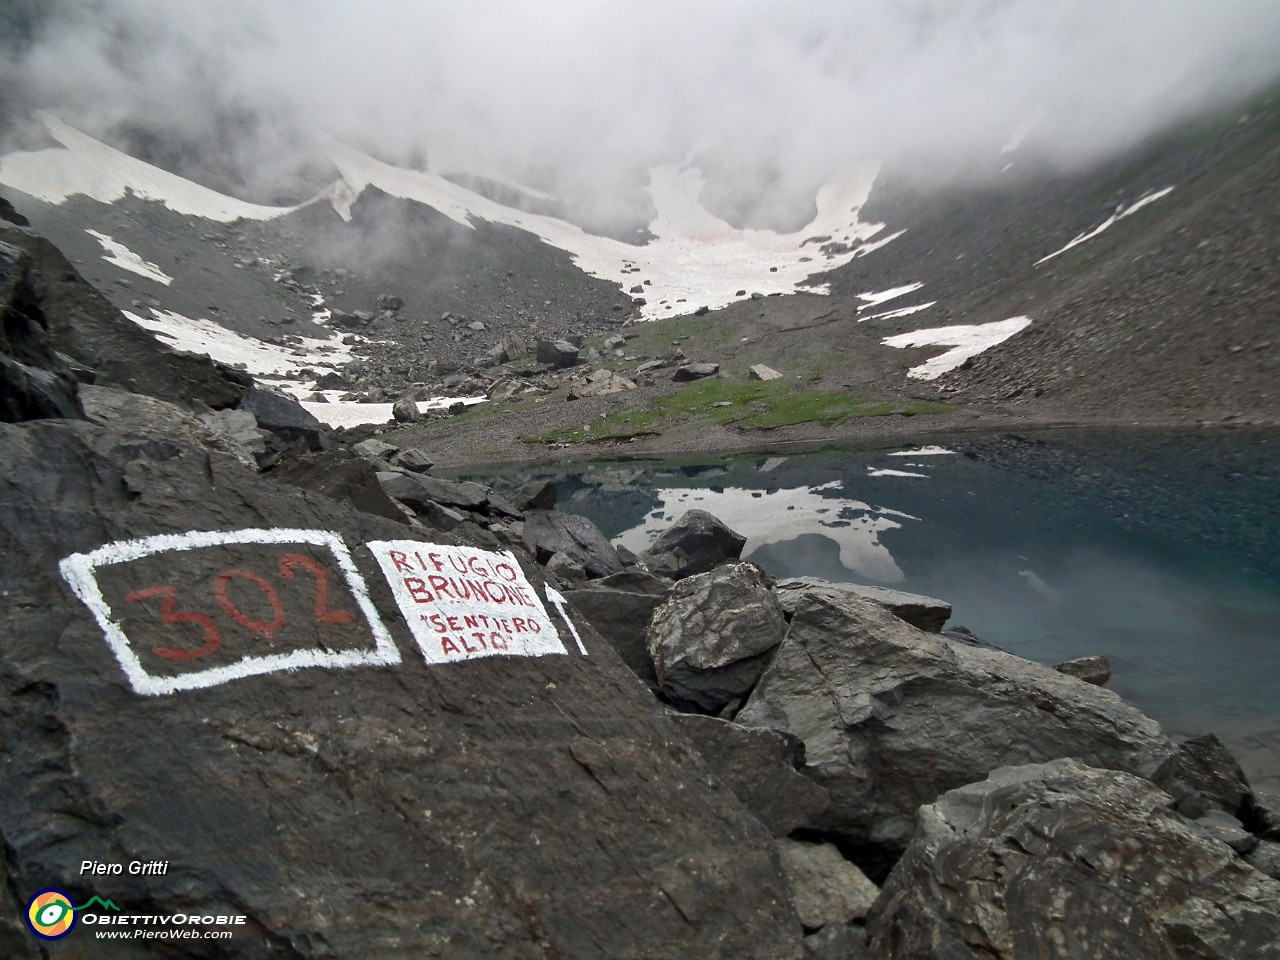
192, 610
462, 603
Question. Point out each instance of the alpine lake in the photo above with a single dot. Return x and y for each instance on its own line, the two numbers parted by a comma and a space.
1159, 550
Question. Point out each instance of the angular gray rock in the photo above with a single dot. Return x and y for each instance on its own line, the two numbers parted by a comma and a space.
759, 766
759, 371
825, 887
695, 371
926, 613
416, 489
535, 495
620, 614
558, 354
1095, 670
548, 532
565, 568
1060, 860
1203, 776
415, 459
893, 716
341, 476
695, 543
513, 347
1223, 826
405, 410
375, 449
599, 383
1265, 857
713, 635
290, 421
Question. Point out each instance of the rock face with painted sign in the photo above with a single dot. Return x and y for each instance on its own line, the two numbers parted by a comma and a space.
367, 745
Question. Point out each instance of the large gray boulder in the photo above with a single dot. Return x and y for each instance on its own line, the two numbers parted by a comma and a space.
548, 532
759, 766
825, 887
893, 716
558, 354
927, 613
713, 636
418, 489
695, 543
358, 801
1061, 860
620, 614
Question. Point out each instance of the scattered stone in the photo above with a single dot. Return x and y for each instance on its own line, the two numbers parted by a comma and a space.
759, 766
713, 636
387, 301
760, 372
565, 569
239, 426
405, 410
1266, 858
415, 459
374, 449
869, 693
825, 887
838, 942
919, 611
695, 371
991, 863
417, 489
599, 383
1095, 670
1203, 775
289, 420
476, 326
513, 347
340, 476
695, 543
558, 354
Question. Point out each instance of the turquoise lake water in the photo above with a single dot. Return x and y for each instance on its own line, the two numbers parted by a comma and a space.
1158, 550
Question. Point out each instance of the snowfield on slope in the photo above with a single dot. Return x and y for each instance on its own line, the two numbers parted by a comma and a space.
965, 341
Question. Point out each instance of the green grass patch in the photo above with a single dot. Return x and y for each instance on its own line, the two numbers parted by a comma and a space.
746, 404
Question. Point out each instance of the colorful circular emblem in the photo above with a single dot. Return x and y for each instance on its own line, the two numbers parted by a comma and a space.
51, 914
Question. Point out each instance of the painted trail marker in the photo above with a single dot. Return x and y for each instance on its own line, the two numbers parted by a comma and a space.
191, 610
463, 604
558, 601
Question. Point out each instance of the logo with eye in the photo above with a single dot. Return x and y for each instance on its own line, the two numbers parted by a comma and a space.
50, 914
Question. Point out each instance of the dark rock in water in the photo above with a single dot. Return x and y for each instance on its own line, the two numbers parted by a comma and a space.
535, 495
547, 533
1095, 670
759, 766
695, 371
919, 611
356, 801
558, 354
1203, 775
405, 410
711, 638
88, 329
892, 716
695, 543
825, 887
341, 476
35, 382
417, 489
1061, 860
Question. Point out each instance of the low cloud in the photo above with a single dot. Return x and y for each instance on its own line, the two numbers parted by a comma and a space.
580, 98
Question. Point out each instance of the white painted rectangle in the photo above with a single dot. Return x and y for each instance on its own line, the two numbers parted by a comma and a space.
81, 572
462, 603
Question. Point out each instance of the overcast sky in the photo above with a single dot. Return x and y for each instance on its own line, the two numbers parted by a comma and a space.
581, 97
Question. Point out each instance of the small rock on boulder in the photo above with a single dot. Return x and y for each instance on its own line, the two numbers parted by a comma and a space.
695, 371
712, 637
919, 611
558, 354
695, 543
1095, 670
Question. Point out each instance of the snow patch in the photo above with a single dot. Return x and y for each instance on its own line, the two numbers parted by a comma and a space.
694, 258
885, 472
875, 299
346, 413
121, 256
87, 167
1119, 214
900, 312
965, 341
930, 451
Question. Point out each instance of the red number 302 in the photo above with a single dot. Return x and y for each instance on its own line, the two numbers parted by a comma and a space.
289, 563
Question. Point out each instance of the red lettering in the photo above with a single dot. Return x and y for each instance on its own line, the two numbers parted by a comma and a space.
471, 622
170, 614
435, 561
505, 571
322, 614
439, 584
448, 646
457, 563
260, 627
463, 641
490, 586
437, 621
418, 590
401, 562
480, 637
518, 623
453, 624
478, 568
497, 641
